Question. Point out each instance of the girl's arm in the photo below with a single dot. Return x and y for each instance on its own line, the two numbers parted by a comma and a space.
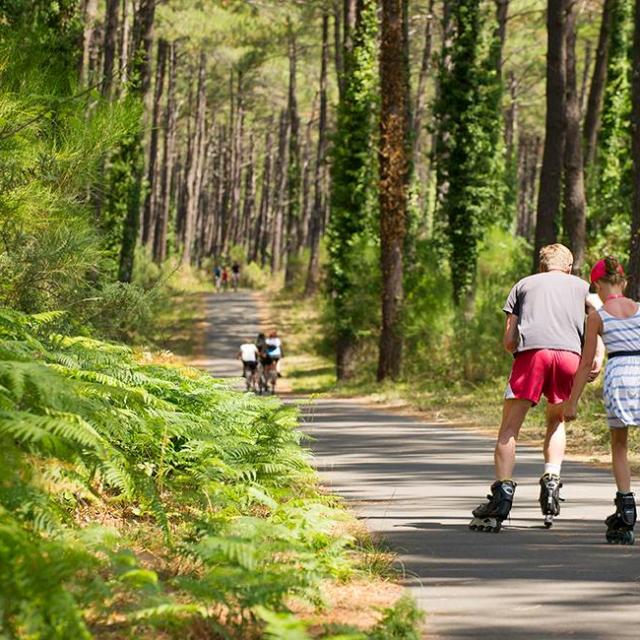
594, 327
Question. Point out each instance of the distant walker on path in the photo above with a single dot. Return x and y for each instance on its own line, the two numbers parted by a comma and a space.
544, 330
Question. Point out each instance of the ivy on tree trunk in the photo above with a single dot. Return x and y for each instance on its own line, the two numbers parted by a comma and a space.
394, 159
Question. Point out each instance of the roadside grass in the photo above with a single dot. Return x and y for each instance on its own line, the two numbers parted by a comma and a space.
473, 406
180, 316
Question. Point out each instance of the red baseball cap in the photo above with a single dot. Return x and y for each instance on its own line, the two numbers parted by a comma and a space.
600, 270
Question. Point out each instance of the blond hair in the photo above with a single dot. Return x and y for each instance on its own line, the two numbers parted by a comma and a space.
555, 256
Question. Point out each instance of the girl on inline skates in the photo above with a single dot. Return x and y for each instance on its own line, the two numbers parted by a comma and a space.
618, 322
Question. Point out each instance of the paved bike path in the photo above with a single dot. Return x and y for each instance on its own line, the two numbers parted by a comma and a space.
414, 483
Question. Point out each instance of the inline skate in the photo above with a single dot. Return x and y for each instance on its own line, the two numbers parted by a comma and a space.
490, 515
620, 524
550, 499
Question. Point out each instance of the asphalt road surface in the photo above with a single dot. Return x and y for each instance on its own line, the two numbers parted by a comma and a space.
414, 483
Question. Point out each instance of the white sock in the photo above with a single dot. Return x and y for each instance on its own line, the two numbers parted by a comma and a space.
552, 469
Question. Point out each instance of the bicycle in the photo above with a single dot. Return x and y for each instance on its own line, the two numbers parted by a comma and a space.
251, 378
270, 376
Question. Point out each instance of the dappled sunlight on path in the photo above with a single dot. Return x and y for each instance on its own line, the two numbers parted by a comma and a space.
415, 484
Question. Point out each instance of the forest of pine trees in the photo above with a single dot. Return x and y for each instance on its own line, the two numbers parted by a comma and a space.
396, 165
358, 147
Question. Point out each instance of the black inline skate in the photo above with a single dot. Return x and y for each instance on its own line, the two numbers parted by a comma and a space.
490, 515
550, 497
620, 524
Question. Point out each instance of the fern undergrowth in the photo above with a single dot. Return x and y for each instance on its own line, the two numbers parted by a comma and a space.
138, 498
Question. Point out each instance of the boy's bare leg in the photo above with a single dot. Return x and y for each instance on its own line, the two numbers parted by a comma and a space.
555, 440
621, 471
513, 414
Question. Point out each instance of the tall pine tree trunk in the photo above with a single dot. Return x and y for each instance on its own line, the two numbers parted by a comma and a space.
249, 204
394, 166
294, 169
109, 47
575, 205
133, 153
279, 195
337, 45
425, 70
598, 83
550, 190
317, 212
261, 236
502, 16
168, 160
633, 289
88, 35
123, 44
195, 163
152, 197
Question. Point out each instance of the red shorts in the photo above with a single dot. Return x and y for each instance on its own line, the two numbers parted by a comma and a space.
542, 371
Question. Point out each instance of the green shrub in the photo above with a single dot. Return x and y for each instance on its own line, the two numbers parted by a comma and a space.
254, 276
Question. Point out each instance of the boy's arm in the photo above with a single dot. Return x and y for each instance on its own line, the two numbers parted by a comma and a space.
594, 324
511, 337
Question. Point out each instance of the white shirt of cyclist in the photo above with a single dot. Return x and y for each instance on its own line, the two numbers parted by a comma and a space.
274, 346
249, 352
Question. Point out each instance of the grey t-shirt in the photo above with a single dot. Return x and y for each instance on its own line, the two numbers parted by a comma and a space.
551, 311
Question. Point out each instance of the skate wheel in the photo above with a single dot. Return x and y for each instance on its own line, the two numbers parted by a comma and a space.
613, 537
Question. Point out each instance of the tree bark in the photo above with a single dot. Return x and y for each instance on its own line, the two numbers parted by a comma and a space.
550, 190
109, 46
317, 213
523, 171
261, 234
584, 82
425, 69
337, 45
90, 12
168, 160
138, 86
236, 150
598, 84
248, 207
293, 170
195, 165
279, 204
394, 166
502, 16
350, 15
142, 39
511, 118
633, 289
123, 46
152, 197
304, 220
575, 204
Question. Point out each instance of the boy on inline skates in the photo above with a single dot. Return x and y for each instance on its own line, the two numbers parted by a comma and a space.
618, 323
544, 331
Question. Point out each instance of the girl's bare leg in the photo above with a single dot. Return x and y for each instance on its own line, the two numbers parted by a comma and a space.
621, 471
